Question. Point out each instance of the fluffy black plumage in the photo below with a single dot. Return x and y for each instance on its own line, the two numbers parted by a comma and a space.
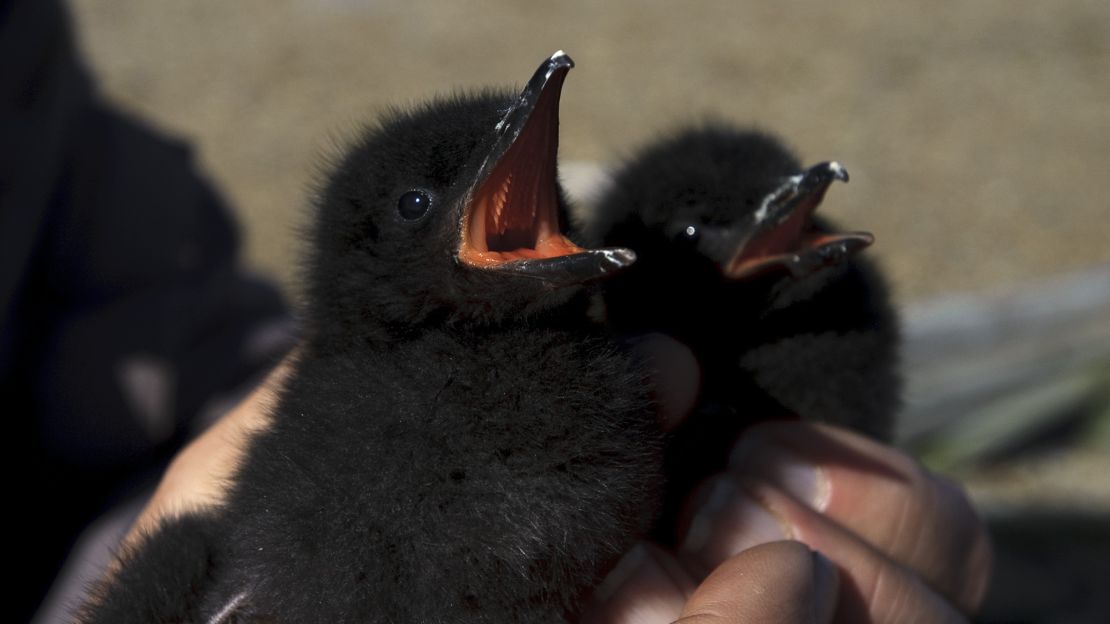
782, 315
457, 442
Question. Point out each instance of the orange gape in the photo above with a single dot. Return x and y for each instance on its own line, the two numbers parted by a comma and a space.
514, 214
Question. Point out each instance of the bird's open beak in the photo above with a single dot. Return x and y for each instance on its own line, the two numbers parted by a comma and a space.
511, 220
783, 235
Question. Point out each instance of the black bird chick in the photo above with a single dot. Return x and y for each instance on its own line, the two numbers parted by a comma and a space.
781, 313
457, 442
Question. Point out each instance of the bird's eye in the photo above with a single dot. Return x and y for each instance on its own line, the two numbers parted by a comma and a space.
688, 235
413, 205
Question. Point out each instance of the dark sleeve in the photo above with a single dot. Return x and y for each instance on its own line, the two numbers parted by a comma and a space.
123, 308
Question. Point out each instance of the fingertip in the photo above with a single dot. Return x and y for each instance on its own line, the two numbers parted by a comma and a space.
645, 587
676, 375
826, 587
775, 582
979, 571
729, 521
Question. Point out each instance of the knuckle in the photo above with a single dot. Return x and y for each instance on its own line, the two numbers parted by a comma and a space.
912, 511
962, 571
890, 598
978, 566
960, 519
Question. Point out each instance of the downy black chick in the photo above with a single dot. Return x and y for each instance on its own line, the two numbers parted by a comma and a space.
457, 442
782, 315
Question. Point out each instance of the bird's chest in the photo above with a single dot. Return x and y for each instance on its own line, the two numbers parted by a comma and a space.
489, 462
450, 420
488, 405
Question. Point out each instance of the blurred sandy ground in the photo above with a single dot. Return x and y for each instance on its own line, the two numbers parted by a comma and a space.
977, 133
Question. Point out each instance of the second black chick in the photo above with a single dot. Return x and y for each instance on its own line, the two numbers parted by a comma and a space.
781, 313
457, 442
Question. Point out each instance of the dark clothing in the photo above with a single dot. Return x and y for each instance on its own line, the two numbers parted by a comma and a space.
122, 307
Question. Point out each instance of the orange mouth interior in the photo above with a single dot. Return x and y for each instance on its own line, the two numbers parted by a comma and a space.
514, 214
794, 234
784, 242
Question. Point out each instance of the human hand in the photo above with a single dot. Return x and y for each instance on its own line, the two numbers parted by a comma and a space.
905, 545
197, 477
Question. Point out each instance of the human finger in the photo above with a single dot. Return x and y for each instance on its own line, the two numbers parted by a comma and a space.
675, 376
919, 520
198, 476
778, 582
873, 587
781, 582
647, 586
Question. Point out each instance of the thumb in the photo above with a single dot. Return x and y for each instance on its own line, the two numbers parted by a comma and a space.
782, 582
675, 375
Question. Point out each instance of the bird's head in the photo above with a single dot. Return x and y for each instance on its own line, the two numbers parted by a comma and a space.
451, 212
738, 200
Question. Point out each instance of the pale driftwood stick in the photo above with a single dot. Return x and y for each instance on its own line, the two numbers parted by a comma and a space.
971, 357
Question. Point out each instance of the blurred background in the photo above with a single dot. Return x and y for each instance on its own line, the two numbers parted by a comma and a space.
977, 135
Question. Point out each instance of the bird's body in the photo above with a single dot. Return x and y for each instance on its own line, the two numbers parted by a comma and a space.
457, 441
782, 316
448, 487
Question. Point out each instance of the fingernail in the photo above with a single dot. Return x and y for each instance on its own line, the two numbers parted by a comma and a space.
730, 521
644, 587
783, 469
675, 373
826, 588
629, 566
